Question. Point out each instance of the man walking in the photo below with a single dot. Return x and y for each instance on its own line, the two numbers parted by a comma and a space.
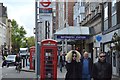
101, 69
86, 66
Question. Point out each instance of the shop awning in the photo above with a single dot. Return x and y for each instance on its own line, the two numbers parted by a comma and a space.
73, 33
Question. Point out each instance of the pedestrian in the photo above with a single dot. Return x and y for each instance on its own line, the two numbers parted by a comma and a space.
102, 70
18, 60
61, 62
4, 61
73, 65
86, 63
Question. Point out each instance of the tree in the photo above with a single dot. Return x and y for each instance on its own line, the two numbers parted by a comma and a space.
18, 33
28, 42
31, 41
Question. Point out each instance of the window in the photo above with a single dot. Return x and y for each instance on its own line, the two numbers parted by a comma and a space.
106, 25
105, 16
113, 7
114, 20
105, 11
114, 16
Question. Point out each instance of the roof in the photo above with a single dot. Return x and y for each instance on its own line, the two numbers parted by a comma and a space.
77, 30
48, 40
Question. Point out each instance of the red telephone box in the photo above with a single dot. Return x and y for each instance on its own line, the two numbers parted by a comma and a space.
48, 60
32, 57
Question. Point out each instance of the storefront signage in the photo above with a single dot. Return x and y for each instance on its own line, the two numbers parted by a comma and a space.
72, 37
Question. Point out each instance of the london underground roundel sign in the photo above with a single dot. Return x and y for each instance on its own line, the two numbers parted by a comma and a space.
45, 3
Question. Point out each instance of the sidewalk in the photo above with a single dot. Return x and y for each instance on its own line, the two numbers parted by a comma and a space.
27, 69
61, 75
115, 77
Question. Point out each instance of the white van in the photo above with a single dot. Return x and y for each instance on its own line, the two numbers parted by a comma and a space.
23, 51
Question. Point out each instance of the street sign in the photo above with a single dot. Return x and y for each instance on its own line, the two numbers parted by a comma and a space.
45, 6
98, 38
45, 3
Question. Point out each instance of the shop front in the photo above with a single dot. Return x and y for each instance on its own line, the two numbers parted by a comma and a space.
111, 47
75, 36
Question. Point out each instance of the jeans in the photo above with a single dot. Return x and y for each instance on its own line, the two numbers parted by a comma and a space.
86, 77
61, 66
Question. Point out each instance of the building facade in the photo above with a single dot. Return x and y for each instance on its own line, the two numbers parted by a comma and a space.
103, 20
3, 13
64, 14
5, 30
3, 39
111, 34
8, 35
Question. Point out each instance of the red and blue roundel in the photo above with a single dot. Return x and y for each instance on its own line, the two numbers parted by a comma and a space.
45, 3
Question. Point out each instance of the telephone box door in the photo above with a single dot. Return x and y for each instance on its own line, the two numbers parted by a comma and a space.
32, 58
48, 61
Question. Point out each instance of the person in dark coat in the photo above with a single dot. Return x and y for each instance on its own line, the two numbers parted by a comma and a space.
18, 60
86, 63
61, 62
73, 66
101, 69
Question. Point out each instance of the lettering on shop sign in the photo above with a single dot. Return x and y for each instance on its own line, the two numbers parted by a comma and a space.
72, 37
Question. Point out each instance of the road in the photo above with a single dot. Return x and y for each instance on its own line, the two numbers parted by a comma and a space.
11, 74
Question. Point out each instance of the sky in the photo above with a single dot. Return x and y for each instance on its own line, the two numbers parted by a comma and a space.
23, 11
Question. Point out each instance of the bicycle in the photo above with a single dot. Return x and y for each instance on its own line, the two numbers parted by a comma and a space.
18, 67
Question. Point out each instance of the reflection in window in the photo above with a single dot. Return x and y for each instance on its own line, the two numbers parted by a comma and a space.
105, 11
106, 25
113, 6
114, 20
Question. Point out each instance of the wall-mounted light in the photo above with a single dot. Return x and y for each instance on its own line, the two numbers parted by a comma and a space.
34, 31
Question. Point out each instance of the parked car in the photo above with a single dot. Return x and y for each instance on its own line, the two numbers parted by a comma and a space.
10, 60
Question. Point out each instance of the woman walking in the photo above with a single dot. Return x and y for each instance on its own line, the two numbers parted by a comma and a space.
73, 65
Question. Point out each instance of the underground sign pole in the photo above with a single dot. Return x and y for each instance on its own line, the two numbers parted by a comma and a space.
37, 62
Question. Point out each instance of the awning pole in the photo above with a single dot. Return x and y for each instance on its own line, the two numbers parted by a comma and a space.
62, 46
65, 45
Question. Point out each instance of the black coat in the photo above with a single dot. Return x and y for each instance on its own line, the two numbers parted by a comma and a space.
101, 71
18, 59
90, 63
73, 71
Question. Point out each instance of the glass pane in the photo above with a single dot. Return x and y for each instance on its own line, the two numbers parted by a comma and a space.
106, 25
114, 20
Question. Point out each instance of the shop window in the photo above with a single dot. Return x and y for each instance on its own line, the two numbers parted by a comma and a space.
97, 51
114, 59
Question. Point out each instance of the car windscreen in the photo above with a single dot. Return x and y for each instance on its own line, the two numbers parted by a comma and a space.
11, 57
23, 51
